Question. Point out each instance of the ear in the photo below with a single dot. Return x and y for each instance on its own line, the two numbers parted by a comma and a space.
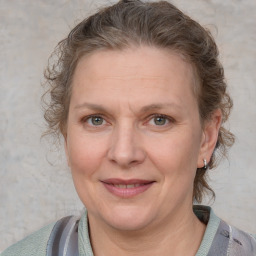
209, 137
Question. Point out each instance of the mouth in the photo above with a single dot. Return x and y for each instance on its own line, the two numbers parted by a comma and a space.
127, 188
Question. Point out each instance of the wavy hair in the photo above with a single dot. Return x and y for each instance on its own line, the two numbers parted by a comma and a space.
135, 23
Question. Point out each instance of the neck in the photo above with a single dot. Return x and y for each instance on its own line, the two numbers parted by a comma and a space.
176, 235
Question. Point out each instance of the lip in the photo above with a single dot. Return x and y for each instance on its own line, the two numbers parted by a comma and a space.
127, 192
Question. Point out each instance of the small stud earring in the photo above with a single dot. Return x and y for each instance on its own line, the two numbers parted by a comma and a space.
205, 164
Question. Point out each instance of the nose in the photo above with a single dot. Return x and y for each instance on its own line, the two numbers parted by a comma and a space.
126, 148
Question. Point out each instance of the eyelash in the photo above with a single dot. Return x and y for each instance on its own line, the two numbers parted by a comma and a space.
168, 118
85, 119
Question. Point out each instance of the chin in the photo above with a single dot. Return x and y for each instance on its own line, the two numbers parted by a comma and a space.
129, 219
128, 224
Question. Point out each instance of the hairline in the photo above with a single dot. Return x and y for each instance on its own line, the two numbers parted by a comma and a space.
195, 84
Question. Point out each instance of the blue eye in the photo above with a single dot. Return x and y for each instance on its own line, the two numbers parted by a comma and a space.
160, 120
95, 120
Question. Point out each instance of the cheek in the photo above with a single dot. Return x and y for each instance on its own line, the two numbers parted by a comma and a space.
176, 155
85, 155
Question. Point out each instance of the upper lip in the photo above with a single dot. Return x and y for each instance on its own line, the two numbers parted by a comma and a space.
126, 182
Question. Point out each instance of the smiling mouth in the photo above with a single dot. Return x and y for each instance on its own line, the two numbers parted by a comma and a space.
127, 188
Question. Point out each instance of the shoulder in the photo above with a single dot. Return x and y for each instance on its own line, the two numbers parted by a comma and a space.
34, 244
57, 238
236, 241
220, 237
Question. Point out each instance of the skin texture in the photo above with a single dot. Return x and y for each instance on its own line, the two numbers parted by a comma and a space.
127, 142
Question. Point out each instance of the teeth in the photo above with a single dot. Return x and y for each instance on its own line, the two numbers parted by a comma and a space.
121, 186
127, 186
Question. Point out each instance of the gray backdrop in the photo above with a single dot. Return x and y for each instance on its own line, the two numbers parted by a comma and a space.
35, 184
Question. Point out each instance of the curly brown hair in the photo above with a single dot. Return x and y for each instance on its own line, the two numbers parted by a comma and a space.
134, 23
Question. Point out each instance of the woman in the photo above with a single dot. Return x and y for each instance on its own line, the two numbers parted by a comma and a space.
139, 96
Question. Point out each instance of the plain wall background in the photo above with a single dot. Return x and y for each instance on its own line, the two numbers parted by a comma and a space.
35, 185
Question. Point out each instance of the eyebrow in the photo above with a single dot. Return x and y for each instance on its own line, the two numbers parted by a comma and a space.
159, 106
90, 106
147, 108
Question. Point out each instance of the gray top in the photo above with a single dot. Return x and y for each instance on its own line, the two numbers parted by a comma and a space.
216, 230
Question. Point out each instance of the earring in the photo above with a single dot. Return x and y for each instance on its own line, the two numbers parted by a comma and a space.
205, 164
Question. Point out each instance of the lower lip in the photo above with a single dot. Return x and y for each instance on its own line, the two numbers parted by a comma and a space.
127, 192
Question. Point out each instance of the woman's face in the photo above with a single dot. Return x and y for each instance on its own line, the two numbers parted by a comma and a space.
134, 138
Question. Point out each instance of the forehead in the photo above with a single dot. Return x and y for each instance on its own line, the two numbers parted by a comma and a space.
134, 56
132, 73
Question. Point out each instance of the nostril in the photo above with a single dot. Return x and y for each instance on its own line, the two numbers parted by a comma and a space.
127, 160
